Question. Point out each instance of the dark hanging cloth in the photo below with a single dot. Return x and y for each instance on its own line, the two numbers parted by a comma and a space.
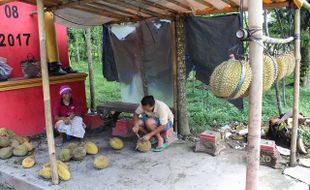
127, 55
209, 42
157, 58
109, 69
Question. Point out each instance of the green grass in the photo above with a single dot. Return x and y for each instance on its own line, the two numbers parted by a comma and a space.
205, 110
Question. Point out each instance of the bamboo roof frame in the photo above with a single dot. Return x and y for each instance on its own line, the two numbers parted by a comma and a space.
135, 10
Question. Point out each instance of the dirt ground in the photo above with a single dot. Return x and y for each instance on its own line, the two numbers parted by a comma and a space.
176, 168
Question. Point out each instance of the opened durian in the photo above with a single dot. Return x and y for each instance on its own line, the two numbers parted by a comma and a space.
91, 148
116, 143
29, 162
63, 172
45, 172
101, 162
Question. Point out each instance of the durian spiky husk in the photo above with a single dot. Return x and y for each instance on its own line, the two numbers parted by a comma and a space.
226, 76
79, 153
270, 71
71, 146
65, 155
144, 146
6, 153
20, 150
101, 162
14, 143
4, 132
290, 63
28, 145
4, 141
47, 165
282, 66
116, 143
28, 162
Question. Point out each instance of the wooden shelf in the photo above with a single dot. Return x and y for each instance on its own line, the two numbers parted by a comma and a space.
21, 83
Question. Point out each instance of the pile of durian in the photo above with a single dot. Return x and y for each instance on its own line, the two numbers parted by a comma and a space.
13, 145
232, 78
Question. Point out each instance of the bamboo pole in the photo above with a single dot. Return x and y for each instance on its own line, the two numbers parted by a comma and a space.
256, 91
174, 74
293, 161
306, 5
90, 70
46, 93
270, 40
183, 125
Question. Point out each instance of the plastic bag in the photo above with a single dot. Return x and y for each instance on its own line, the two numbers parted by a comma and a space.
31, 67
5, 70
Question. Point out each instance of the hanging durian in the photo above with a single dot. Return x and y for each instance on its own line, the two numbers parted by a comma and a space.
231, 79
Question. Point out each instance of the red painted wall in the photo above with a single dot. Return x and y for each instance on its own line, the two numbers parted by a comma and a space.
23, 110
19, 35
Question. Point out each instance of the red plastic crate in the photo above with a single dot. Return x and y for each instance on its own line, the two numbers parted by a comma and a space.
123, 128
93, 121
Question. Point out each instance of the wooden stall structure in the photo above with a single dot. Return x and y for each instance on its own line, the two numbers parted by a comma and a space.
118, 11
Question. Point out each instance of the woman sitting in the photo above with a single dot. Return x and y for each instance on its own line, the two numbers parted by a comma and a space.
67, 117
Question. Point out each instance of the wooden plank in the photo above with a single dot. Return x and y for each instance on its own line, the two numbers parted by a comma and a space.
159, 6
183, 5
231, 3
71, 4
21, 83
117, 9
139, 5
98, 12
209, 5
236, 9
111, 4
46, 93
118, 107
124, 4
104, 10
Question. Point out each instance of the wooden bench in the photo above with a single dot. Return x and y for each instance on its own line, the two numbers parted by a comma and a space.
112, 110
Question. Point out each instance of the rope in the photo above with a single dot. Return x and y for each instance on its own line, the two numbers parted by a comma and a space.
241, 80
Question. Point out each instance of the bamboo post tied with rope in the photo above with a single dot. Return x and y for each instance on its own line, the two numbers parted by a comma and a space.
256, 93
46, 93
293, 160
90, 70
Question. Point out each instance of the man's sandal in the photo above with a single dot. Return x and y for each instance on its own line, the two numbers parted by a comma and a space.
161, 148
